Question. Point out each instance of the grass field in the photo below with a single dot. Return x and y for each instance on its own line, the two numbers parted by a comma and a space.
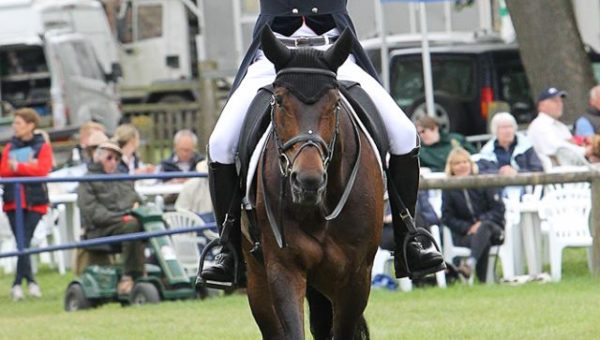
566, 310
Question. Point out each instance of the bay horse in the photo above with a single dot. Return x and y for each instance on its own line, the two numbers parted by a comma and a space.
315, 162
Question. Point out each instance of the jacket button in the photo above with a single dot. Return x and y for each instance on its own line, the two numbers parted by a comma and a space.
315, 10
295, 11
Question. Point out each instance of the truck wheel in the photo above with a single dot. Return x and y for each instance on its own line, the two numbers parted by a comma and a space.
75, 299
144, 292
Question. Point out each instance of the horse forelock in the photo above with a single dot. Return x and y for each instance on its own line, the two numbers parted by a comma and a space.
308, 88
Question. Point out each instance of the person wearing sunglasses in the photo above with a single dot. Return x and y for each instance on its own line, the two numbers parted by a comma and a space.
105, 211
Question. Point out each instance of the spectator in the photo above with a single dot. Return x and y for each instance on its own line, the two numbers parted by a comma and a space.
436, 144
105, 211
508, 152
475, 216
589, 123
96, 138
27, 154
184, 157
195, 195
551, 138
78, 154
127, 137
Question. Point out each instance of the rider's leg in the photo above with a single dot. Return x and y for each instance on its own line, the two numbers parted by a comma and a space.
422, 256
222, 174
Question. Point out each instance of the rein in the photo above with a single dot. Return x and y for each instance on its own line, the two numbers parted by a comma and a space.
309, 139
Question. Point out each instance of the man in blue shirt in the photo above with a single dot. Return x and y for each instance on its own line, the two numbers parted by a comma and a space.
589, 122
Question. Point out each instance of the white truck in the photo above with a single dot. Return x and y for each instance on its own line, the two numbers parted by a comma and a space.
50, 65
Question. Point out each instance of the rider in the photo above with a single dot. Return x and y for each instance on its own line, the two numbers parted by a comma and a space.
315, 23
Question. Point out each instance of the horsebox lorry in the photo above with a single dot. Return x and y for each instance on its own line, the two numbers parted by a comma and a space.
55, 56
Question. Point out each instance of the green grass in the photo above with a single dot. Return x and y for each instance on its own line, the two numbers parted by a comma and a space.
569, 309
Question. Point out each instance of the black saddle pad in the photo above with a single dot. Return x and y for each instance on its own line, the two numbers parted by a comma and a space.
258, 118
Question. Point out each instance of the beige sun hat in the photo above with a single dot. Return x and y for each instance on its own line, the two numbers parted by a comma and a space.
96, 138
112, 146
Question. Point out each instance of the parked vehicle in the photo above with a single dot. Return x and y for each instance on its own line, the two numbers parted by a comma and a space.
48, 66
470, 76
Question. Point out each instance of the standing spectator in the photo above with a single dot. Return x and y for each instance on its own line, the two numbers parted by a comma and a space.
475, 216
27, 154
508, 152
105, 211
127, 137
551, 138
184, 157
589, 123
436, 144
86, 130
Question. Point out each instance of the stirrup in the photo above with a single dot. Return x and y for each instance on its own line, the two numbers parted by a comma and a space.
410, 236
201, 282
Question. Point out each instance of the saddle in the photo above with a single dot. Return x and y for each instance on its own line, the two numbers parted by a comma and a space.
258, 119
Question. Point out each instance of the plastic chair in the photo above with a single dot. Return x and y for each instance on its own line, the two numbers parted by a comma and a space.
504, 252
565, 213
48, 233
188, 245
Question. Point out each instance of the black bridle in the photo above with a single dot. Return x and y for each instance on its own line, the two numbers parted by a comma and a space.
308, 139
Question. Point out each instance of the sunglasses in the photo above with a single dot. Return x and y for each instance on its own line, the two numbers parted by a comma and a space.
113, 157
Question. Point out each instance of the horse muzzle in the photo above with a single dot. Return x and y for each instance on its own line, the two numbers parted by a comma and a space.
308, 188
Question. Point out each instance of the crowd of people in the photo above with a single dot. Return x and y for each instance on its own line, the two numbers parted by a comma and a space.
105, 207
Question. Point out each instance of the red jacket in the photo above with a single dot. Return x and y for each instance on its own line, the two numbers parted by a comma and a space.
34, 197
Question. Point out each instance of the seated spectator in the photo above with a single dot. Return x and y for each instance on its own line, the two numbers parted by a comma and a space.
184, 157
195, 196
105, 210
96, 138
475, 216
589, 123
436, 144
78, 154
508, 152
127, 137
552, 139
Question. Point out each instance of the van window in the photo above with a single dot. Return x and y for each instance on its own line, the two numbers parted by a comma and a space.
149, 21
451, 75
88, 63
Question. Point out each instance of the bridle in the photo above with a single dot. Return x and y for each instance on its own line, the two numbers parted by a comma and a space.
308, 139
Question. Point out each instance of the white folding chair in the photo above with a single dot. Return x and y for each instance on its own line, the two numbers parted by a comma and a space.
565, 213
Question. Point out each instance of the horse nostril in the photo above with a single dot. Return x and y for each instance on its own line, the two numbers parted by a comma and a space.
309, 181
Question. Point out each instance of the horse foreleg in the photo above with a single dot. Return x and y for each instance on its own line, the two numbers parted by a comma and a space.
260, 300
288, 287
349, 305
320, 313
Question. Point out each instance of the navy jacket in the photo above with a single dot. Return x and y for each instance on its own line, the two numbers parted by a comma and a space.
170, 165
487, 206
271, 9
523, 157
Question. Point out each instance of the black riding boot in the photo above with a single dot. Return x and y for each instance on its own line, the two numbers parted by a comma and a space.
422, 257
223, 181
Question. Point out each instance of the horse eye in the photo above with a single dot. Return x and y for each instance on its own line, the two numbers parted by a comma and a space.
279, 100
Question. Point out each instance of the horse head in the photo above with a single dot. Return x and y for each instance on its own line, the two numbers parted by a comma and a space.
305, 112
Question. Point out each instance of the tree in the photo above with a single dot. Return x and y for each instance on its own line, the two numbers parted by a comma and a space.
552, 51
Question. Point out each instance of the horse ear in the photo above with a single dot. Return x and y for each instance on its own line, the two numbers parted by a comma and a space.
274, 50
338, 53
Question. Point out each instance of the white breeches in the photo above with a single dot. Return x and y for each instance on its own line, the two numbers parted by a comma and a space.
223, 141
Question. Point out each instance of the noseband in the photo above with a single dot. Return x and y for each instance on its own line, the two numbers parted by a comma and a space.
308, 139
